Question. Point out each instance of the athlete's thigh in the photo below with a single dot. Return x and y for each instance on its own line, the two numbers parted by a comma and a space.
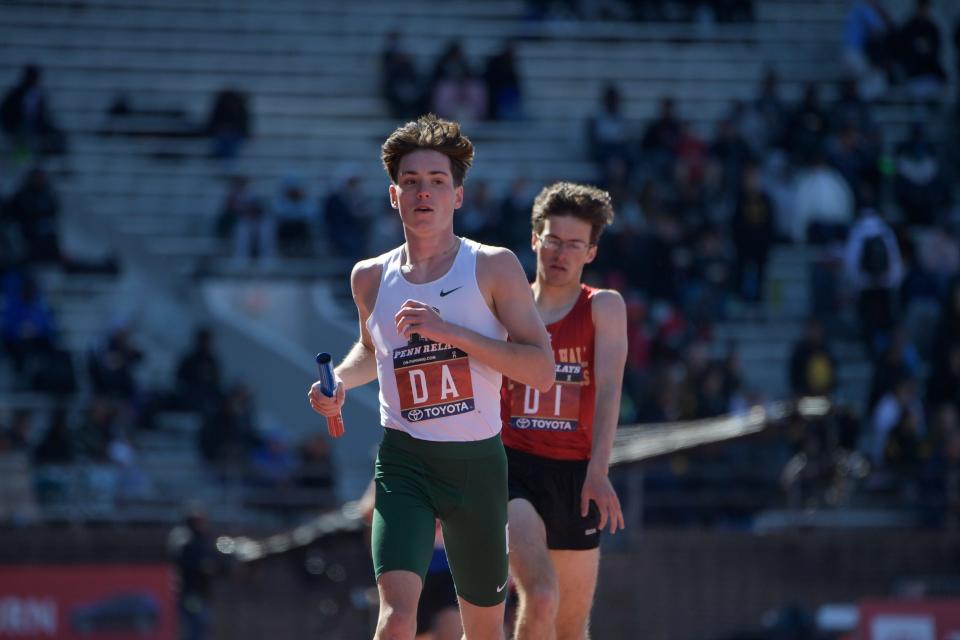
530, 563
403, 517
475, 533
577, 575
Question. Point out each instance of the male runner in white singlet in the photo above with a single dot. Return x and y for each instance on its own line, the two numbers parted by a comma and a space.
434, 316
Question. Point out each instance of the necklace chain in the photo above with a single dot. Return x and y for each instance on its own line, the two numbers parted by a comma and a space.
409, 264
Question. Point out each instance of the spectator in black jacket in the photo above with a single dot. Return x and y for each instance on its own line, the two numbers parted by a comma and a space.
34, 208
25, 116
919, 55
229, 123
753, 233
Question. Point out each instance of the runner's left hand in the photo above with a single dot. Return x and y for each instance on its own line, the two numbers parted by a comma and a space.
597, 487
417, 317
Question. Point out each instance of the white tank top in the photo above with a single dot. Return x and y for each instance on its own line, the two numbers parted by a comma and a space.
434, 391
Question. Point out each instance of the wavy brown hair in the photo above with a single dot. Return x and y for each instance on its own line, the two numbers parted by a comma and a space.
435, 134
590, 204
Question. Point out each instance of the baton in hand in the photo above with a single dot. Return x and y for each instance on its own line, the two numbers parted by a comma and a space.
328, 386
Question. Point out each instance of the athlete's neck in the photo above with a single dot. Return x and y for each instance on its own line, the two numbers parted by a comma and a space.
555, 302
423, 255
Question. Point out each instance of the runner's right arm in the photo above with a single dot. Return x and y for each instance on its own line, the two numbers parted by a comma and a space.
359, 366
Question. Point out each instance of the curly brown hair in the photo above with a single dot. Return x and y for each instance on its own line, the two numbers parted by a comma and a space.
428, 132
590, 204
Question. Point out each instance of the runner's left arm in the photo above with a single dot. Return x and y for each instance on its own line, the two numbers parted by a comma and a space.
609, 357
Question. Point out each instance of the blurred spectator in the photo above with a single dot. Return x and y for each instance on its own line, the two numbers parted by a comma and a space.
113, 365
813, 368
504, 87
691, 156
254, 233
866, 47
899, 407
56, 446
919, 184
400, 83
131, 481
608, 134
765, 122
729, 155
26, 118
228, 123
272, 462
919, 55
94, 434
850, 109
248, 224
35, 209
29, 331
849, 154
874, 272
705, 291
897, 359
659, 141
192, 549
479, 217
456, 92
948, 325
346, 215
823, 205
515, 216
198, 386
296, 216
903, 449
237, 198
752, 233
315, 469
665, 258
943, 385
19, 435
229, 434
807, 128
939, 256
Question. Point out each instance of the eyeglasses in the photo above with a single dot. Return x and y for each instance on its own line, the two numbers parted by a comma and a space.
553, 243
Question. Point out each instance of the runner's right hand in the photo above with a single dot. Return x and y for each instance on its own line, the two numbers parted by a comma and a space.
326, 405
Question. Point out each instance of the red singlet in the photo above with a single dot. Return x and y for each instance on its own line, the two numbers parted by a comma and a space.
558, 423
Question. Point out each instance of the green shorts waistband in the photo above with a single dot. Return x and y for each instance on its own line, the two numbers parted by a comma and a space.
457, 450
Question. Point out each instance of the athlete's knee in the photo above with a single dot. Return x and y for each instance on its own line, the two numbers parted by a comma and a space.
541, 600
397, 624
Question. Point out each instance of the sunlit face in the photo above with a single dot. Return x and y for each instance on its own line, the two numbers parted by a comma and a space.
425, 195
562, 248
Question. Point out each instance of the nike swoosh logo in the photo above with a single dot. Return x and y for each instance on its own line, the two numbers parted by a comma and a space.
503, 586
446, 293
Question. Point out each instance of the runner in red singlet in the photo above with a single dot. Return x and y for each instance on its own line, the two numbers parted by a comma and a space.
558, 442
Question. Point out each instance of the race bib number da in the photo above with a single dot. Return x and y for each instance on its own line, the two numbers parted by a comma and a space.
433, 380
555, 410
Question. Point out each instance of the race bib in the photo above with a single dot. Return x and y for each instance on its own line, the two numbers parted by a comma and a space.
555, 410
433, 380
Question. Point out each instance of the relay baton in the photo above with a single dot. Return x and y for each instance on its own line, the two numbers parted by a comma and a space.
327, 386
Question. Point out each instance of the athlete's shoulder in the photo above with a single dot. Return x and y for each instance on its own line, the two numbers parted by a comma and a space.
365, 276
496, 258
367, 271
606, 301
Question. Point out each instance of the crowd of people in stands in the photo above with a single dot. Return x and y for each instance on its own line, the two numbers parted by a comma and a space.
100, 428
698, 218
455, 87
